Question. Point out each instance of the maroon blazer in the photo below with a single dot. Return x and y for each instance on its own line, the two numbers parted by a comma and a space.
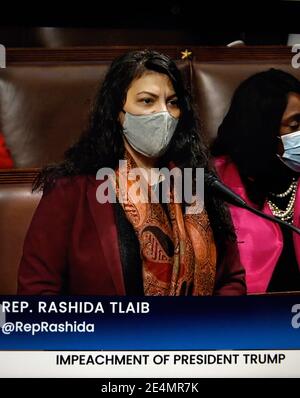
72, 247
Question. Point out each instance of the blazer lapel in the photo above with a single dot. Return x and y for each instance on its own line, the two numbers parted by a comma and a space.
296, 222
108, 237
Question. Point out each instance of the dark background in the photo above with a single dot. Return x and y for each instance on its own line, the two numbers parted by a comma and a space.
158, 22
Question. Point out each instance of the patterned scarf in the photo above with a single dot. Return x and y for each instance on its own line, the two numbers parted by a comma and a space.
178, 250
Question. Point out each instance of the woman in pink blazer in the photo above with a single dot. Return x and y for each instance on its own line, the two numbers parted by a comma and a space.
257, 154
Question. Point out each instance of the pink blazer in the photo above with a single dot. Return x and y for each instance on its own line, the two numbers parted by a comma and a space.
260, 241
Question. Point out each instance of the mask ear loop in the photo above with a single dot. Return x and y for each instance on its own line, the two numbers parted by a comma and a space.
281, 146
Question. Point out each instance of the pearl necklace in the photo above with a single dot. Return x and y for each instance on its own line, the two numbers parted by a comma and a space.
288, 213
288, 191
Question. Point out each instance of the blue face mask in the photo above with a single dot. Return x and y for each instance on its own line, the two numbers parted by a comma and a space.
291, 154
150, 134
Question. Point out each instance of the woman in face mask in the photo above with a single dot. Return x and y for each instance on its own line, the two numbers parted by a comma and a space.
257, 154
79, 243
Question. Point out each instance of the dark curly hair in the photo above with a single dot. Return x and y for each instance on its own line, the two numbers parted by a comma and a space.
249, 131
101, 144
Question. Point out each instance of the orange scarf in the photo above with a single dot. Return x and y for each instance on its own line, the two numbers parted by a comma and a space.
178, 252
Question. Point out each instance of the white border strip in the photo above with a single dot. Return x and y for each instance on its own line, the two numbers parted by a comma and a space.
178, 364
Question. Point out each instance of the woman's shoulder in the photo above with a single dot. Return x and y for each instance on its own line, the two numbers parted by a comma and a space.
225, 167
222, 161
69, 185
227, 171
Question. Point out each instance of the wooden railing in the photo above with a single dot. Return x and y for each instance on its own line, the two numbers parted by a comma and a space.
100, 54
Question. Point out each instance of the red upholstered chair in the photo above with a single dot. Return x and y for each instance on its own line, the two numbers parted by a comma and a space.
6, 161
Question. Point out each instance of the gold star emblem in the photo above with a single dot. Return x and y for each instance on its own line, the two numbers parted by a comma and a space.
186, 54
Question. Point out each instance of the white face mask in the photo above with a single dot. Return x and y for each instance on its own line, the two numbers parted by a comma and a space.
291, 154
150, 134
